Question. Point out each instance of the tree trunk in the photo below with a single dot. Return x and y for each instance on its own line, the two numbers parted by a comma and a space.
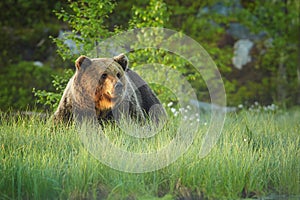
298, 68
298, 76
282, 77
282, 80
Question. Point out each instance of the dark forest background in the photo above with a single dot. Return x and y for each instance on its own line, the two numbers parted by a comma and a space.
31, 55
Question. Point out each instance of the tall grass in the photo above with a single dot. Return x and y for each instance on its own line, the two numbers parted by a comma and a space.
257, 154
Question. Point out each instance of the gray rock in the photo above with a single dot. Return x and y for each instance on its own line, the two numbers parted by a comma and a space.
208, 107
71, 44
38, 63
242, 55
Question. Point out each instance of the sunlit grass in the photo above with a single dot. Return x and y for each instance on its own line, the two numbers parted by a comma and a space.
257, 154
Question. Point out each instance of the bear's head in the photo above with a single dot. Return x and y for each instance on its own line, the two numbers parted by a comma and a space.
101, 81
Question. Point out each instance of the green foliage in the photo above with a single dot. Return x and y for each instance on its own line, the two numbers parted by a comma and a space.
51, 99
87, 18
280, 21
186, 18
16, 82
94, 21
26, 13
28, 43
25, 30
155, 14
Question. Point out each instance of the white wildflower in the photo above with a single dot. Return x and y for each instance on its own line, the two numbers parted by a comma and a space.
175, 114
173, 110
170, 104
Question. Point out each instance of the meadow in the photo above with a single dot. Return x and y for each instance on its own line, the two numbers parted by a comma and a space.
256, 156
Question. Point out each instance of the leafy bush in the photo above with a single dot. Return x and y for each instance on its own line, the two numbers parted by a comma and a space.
278, 81
87, 19
51, 99
92, 29
16, 82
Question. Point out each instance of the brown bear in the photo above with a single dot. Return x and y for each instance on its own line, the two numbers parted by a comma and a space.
108, 88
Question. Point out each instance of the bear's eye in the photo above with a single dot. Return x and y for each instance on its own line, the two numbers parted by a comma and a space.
119, 75
104, 76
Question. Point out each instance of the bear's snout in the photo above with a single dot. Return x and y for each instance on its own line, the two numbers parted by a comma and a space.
119, 88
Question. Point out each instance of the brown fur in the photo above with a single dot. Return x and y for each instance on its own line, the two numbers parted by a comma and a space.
92, 88
100, 88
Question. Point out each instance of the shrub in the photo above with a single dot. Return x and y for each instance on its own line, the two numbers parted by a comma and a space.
51, 99
16, 82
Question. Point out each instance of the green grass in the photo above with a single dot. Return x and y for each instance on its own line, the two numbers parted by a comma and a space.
258, 154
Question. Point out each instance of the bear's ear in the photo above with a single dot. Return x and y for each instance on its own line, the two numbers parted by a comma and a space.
122, 60
82, 62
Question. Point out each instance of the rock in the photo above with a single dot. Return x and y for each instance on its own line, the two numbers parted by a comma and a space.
238, 31
208, 107
71, 44
38, 63
242, 53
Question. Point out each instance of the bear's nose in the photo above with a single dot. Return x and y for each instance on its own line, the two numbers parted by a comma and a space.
119, 87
